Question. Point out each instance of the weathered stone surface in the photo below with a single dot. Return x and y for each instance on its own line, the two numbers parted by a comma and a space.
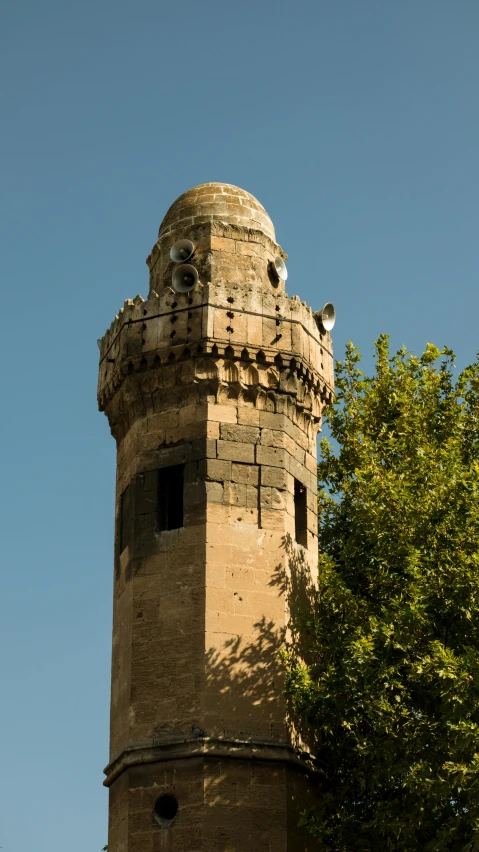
228, 382
249, 474
235, 451
245, 434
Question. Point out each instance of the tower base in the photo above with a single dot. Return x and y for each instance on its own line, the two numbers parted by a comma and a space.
232, 797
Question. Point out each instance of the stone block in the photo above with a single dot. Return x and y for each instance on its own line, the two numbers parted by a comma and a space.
202, 448
167, 420
222, 244
273, 498
271, 456
243, 434
216, 515
215, 574
298, 471
191, 536
270, 332
294, 450
250, 249
290, 507
239, 325
147, 481
144, 535
240, 579
184, 433
214, 492
236, 451
265, 497
191, 474
275, 476
134, 337
219, 600
172, 455
222, 413
188, 414
212, 430
248, 416
273, 519
312, 500
278, 498
145, 502
217, 469
254, 329
245, 518
235, 493
272, 420
249, 474
273, 438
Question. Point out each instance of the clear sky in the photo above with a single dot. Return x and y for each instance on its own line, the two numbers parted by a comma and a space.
354, 122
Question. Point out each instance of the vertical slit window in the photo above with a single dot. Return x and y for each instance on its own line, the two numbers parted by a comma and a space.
125, 518
300, 513
170, 498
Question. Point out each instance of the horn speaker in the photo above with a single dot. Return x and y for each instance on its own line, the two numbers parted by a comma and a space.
184, 278
181, 251
327, 317
279, 268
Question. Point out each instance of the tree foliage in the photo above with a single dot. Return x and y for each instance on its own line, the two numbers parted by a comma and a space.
392, 682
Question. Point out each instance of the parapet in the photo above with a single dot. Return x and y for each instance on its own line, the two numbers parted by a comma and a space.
238, 316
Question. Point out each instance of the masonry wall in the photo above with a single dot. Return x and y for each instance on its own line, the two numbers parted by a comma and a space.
184, 593
228, 381
225, 806
199, 616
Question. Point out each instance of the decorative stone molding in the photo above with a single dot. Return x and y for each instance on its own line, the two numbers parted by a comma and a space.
241, 344
209, 747
291, 388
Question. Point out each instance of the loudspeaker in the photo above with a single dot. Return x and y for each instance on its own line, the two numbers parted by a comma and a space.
184, 278
279, 268
182, 251
326, 318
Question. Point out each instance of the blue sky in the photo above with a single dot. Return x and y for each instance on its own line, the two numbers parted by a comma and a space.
355, 124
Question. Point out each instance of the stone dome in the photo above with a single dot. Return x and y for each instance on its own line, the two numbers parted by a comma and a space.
221, 201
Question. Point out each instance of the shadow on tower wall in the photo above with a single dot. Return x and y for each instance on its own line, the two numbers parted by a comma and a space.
246, 679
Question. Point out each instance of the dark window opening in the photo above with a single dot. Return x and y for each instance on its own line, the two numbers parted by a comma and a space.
170, 498
165, 810
125, 518
300, 513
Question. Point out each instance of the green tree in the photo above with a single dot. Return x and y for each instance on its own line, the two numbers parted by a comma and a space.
391, 682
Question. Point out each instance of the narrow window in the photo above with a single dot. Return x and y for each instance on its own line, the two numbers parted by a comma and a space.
125, 518
170, 498
300, 513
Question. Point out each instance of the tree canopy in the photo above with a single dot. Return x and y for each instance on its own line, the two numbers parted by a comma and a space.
391, 683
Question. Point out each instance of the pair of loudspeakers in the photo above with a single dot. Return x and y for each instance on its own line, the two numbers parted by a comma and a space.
185, 276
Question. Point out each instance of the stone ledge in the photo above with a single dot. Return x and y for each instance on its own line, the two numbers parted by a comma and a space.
209, 747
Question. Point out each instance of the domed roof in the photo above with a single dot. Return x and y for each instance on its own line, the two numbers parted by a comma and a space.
221, 201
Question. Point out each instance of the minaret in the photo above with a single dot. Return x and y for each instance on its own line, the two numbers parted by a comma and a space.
214, 388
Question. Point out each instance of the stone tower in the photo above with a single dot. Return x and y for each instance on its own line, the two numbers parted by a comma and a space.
214, 390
